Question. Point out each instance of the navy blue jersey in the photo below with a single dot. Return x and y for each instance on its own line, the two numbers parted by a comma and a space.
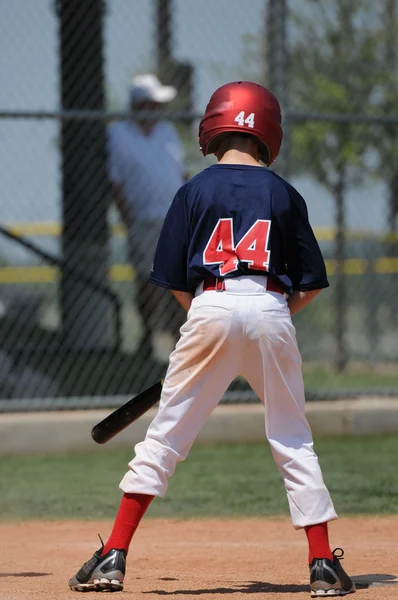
232, 220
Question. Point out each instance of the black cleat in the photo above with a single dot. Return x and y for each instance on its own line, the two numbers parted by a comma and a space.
328, 578
101, 573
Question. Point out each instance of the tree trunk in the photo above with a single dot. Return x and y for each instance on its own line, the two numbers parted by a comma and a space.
278, 76
392, 248
393, 208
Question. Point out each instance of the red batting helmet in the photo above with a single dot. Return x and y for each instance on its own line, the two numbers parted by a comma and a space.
246, 107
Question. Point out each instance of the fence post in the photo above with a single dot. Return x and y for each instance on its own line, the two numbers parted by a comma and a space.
85, 315
172, 71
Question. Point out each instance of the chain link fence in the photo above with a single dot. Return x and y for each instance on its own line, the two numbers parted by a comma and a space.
88, 172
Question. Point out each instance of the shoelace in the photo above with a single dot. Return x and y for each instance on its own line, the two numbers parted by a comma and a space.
339, 556
102, 542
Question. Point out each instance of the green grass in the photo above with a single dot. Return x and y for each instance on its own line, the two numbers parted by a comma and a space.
359, 378
361, 474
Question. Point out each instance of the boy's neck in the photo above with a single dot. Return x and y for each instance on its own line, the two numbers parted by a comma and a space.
238, 150
237, 157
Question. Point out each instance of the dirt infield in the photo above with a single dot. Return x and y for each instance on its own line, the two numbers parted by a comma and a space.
212, 559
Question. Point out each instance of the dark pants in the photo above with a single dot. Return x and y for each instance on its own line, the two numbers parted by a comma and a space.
159, 311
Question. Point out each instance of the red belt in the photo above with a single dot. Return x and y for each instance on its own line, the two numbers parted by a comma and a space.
215, 283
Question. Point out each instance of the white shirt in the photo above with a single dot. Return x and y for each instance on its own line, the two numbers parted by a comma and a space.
148, 167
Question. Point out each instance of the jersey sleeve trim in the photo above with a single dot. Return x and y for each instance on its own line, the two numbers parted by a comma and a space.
312, 286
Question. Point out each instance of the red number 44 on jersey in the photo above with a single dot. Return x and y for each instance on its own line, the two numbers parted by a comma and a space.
252, 248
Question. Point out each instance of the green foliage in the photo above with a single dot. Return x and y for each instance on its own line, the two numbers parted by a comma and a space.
342, 60
225, 480
336, 67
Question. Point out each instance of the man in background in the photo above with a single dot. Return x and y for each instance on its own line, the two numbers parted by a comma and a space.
146, 170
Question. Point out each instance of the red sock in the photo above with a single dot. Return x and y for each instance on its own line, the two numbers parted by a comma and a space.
318, 541
132, 509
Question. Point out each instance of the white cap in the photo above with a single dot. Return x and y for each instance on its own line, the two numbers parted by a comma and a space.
148, 87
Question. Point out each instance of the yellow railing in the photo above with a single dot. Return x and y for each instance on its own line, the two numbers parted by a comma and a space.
54, 229
123, 273
48, 229
10, 275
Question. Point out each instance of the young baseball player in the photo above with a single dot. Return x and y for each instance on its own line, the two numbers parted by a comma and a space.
238, 252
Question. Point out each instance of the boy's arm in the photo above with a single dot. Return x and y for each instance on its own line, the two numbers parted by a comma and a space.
299, 299
184, 298
170, 265
303, 259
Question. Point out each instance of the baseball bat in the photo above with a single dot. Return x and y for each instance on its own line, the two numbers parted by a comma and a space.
129, 412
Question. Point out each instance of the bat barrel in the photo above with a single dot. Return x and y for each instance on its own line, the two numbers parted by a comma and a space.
122, 417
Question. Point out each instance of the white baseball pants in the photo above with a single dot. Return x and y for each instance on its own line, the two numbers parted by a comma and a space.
246, 331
